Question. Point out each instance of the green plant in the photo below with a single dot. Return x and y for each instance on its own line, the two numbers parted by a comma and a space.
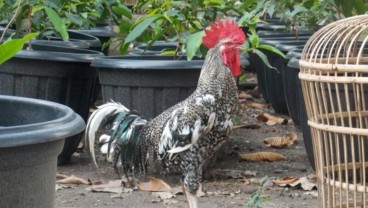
257, 199
177, 21
351, 8
174, 21
310, 13
11, 46
56, 16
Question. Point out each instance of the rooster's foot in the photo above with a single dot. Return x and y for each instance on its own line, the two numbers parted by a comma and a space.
129, 182
200, 192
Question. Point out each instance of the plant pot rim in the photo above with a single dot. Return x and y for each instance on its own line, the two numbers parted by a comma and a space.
150, 62
294, 63
286, 47
71, 43
263, 33
295, 52
100, 31
56, 53
90, 39
65, 124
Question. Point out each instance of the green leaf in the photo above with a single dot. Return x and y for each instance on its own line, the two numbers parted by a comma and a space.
297, 9
254, 39
247, 4
122, 10
359, 6
37, 8
56, 4
57, 22
168, 53
242, 77
9, 48
272, 49
347, 8
308, 3
170, 13
193, 43
140, 28
124, 48
263, 58
76, 19
124, 27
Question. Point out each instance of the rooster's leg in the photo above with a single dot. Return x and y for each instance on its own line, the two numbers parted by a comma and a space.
190, 199
191, 184
200, 191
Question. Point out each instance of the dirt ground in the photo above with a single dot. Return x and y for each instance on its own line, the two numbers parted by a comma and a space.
230, 183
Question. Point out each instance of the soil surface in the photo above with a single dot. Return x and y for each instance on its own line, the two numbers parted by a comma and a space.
231, 182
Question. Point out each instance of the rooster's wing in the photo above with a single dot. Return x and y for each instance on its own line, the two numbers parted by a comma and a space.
187, 124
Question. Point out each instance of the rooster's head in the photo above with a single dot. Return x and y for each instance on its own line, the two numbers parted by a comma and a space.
229, 36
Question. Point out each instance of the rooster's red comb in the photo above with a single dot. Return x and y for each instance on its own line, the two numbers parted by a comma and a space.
227, 29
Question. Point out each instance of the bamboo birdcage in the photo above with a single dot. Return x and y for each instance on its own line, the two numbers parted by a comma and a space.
334, 78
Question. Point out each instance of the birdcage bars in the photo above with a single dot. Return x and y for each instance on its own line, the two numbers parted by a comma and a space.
333, 73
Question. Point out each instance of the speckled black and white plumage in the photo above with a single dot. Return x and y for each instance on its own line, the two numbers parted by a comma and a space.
186, 135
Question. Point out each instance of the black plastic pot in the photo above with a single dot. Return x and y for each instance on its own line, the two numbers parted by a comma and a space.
257, 65
281, 34
32, 134
60, 43
293, 66
156, 48
52, 73
147, 84
93, 42
291, 84
103, 33
274, 79
271, 80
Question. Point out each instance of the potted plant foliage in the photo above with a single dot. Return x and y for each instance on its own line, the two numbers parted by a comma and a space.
296, 24
181, 26
53, 73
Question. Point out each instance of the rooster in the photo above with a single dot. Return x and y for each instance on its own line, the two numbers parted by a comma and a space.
184, 137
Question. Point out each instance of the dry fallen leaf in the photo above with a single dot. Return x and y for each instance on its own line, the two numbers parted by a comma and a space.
177, 190
285, 180
243, 106
73, 180
259, 106
262, 156
244, 95
110, 187
155, 185
305, 183
60, 187
242, 101
61, 176
280, 142
271, 119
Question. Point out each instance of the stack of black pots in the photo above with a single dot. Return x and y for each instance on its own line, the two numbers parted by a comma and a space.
280, 86
58, 71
